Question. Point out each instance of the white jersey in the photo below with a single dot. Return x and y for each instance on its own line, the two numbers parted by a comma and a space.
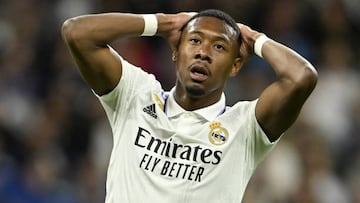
162, 153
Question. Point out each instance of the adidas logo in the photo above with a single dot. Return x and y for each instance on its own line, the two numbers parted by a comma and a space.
150, 110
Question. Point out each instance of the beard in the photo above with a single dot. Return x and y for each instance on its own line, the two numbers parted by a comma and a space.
195, 92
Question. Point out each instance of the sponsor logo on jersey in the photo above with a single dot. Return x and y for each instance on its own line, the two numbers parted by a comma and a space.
150, 110
175, 160
218, 135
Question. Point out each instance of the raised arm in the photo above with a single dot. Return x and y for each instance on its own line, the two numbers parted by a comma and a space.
280, 103
88, 38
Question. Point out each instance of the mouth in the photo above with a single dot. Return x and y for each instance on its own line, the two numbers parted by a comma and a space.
199, 73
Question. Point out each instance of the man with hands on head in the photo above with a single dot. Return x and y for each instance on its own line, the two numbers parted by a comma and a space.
185, 145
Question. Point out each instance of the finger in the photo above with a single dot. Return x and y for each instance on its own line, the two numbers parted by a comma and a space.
240, 25
191, 14
243, 27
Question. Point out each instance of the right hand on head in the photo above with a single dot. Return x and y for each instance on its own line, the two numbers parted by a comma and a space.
170, 25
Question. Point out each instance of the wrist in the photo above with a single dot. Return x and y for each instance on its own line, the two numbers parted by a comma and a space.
258, 45
150, 24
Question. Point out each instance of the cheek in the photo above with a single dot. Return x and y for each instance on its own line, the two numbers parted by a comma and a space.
222, 72
224, 64
181, 64
185, 51
183, 58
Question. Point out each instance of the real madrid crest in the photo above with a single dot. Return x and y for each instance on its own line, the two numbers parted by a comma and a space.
218, 135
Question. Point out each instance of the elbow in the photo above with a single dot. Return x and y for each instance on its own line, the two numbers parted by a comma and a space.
311, 76
70, 30
307, 79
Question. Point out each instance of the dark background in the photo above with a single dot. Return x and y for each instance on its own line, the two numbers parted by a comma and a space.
55, 140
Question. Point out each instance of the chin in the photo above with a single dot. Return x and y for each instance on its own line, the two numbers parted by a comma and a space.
195, 92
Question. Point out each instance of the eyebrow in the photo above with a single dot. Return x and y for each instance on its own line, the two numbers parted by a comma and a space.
222, 37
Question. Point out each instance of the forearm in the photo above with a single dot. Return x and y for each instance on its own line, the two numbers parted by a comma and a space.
280, 103
88, 38
288, 64
102, 29
291, 68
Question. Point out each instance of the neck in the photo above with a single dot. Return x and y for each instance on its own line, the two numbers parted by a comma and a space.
190, 102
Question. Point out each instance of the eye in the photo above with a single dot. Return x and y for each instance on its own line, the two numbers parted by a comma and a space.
194, 40
219, 47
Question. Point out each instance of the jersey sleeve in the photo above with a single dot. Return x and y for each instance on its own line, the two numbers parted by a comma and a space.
134, 81
255, 142
261, 144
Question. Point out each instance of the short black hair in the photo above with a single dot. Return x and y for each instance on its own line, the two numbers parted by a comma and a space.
219, 15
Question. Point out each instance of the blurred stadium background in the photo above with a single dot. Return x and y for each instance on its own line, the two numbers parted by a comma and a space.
55, 140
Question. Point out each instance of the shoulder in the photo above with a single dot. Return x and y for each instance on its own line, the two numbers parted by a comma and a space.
242, 107
134, 82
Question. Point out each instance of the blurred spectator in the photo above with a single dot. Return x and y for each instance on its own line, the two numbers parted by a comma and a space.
278, 177
54, 138
330, 107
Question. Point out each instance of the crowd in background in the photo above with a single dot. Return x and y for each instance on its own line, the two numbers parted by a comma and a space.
55, 140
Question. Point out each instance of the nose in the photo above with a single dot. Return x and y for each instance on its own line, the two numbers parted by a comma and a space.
203, 53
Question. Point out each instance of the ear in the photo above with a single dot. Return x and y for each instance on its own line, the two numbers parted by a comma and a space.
174, 56
238, 63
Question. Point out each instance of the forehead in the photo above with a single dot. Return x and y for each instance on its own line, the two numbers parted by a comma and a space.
211, 25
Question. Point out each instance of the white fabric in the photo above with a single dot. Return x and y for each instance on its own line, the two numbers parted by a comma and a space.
178, 158
150, 25
259, 42
209, 113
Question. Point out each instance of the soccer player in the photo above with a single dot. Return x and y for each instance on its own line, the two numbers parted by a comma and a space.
185, 145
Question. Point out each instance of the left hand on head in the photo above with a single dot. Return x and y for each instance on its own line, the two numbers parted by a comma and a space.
248, 37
